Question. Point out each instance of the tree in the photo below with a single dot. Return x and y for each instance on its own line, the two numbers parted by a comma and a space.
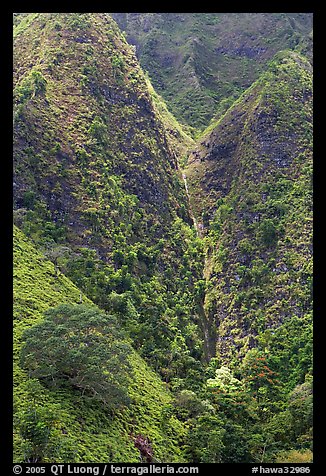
226, 392
98, 130
291, 429
236, 443
300, 406
188, 405
262, 382
267, 233
231, 399
205, 440
224, 380
256, 371
79, 346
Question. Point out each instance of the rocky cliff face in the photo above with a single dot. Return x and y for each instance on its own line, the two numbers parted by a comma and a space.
203, 258
250, 179
76, 133
96, 170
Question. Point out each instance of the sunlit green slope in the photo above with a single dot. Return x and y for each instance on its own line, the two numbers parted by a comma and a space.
87, 432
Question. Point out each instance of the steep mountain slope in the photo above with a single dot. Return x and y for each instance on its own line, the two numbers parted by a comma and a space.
95, 170
201, 62
250, 181
84, 430
101, 103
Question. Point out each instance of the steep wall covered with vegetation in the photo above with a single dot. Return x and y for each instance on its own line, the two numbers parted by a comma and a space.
163, 287
201, 62
80, 429
251, 183
96, 180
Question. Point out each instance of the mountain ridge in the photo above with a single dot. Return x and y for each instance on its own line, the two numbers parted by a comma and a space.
202, 62
97, 184
240, 175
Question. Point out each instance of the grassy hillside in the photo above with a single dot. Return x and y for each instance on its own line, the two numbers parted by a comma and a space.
201, 62
250, 180
85, 429
179, 136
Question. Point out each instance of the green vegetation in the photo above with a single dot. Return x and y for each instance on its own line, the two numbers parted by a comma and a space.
58, 423
162, 286
200, 63
117, 206
33, 84
256, 210
78, 346
179, 136
245, 419
258, 216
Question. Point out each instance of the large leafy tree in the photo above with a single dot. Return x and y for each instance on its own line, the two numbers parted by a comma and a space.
79, 346
262, 382
237, 409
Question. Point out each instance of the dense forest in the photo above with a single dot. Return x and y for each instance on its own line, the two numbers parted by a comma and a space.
162, 237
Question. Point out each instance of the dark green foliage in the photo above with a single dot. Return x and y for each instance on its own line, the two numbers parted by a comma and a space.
31, 85
205, 440
107, 185
188, 405
149, 308
291, 426
39, 82
290, 349
29, 199
82, 429
255, 197
257, 204
78, 21
246, 420
267, 233
79, 346
237, 444
36, 430
97, 129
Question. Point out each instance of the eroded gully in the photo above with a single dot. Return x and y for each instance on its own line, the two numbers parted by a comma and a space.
206, 323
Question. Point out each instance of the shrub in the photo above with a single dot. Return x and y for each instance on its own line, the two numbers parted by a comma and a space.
98, 130
31, 85
42, 439
267, 233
